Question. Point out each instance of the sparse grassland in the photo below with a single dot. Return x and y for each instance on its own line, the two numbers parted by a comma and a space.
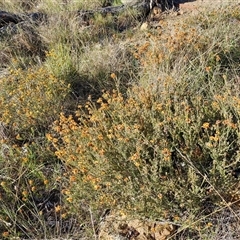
96, 114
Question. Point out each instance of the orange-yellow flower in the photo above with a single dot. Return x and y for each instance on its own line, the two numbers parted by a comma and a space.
5, 234
57, 208
205, 125
113, 76
208, 69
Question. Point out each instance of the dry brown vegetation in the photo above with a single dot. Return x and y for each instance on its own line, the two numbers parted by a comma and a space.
98, 116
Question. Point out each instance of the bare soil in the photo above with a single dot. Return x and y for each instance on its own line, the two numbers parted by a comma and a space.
196, 6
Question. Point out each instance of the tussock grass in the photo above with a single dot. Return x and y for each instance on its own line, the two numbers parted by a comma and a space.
97, 114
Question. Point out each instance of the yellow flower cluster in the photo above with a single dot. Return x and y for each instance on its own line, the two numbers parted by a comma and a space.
31, 98
168, 45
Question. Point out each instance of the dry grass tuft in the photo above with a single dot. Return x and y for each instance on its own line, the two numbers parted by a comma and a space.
100, 117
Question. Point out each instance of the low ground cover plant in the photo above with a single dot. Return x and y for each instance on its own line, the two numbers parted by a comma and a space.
143, 123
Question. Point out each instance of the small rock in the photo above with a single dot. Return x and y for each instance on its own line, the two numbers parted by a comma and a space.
144, 26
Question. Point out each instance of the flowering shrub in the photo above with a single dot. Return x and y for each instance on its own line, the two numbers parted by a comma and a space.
23, 181
164, 145
149, 155
169, 147
32, 98
190, 48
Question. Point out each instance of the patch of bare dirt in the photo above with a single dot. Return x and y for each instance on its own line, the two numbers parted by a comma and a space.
115, 227
202, 5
